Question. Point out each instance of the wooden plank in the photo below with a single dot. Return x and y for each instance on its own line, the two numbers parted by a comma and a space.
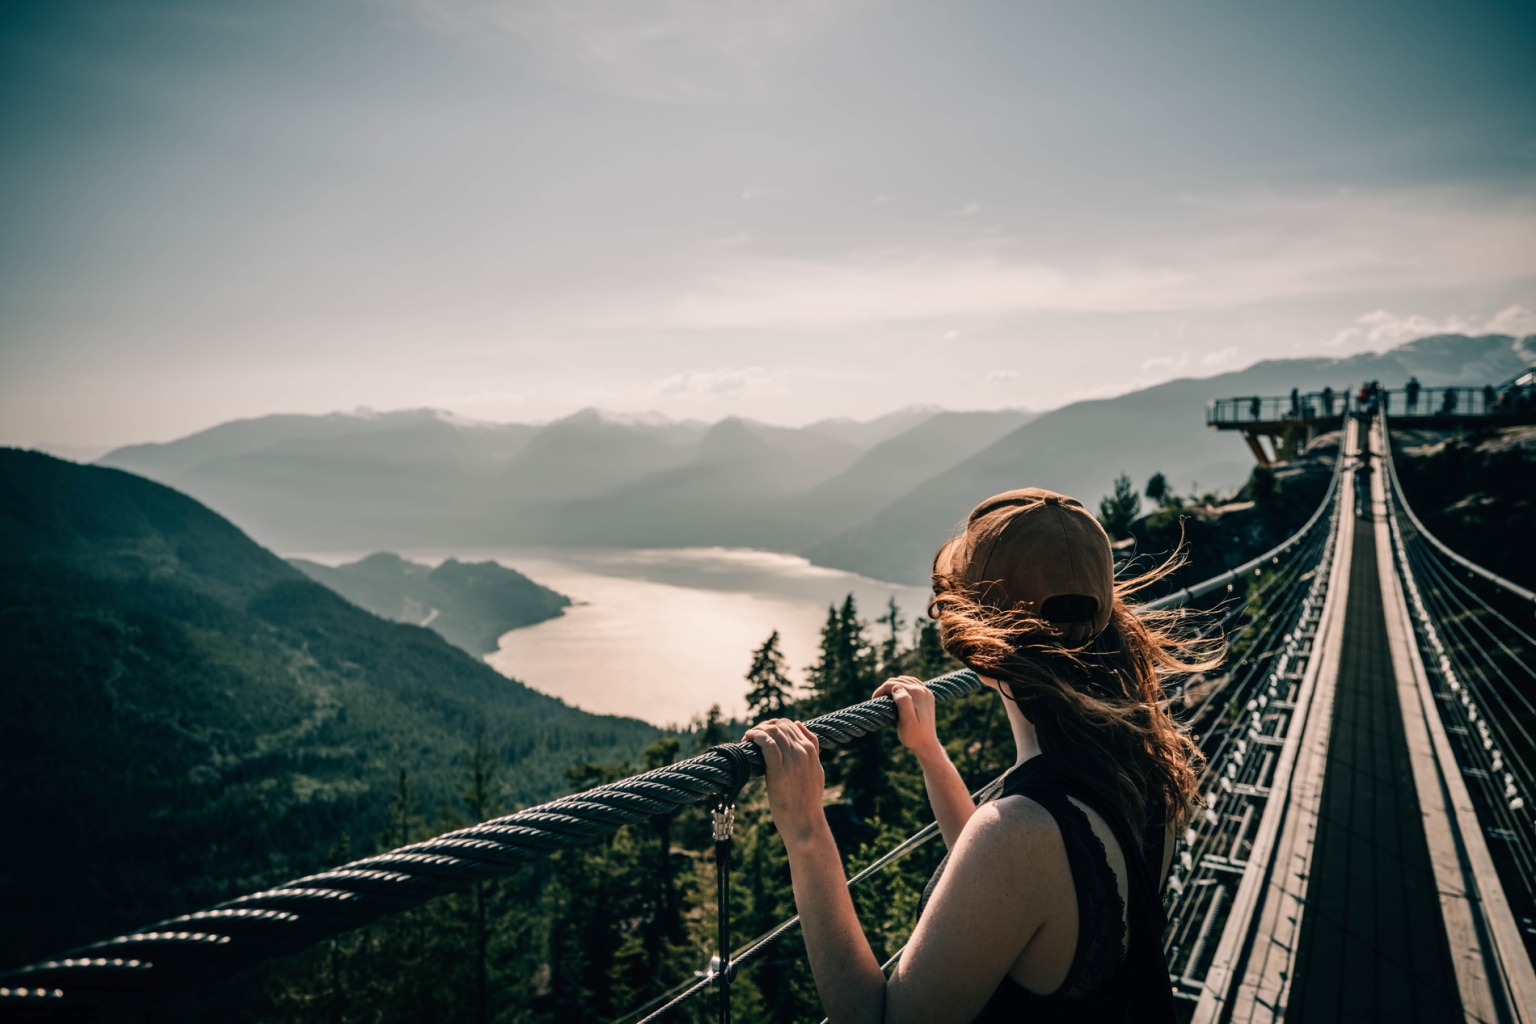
1268, 888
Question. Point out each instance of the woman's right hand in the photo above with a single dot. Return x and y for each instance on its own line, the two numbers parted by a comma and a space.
796, 781
916, 723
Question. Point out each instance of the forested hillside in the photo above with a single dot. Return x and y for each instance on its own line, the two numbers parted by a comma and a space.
470, 604
188, 717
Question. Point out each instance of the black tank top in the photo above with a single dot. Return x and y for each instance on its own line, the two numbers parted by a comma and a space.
1109, 980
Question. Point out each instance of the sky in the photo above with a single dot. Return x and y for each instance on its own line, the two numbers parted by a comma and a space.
788, 210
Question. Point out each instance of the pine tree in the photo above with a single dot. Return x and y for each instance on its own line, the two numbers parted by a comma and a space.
664, 923
845, 672
484, 794
711, 731
771, 694
890, 647
1118, 511
931, 659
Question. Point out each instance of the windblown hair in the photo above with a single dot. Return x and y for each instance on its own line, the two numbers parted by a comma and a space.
1098, 709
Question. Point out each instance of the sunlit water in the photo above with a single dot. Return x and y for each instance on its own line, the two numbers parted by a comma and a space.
663, 634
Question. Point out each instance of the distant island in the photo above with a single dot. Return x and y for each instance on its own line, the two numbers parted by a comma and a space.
469, 604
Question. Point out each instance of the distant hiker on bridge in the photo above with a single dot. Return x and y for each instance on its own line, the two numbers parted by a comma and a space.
1255, 406
1328, 401
1295, 402
1047, 907
1412, 390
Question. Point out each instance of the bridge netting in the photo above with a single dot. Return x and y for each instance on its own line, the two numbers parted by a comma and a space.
1475, 631
1245, 718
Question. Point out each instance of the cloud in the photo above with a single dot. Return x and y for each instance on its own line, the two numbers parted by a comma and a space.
1002, 376
1221, 357
729, 384
968, 210
1266, 251
752, 193
1382, 328
689, 51
1513, 320
1166, 363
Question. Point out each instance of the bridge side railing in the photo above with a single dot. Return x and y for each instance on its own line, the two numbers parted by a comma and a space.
1477, 679
1256, 409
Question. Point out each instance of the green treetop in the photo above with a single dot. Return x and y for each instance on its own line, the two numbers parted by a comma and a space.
771, 694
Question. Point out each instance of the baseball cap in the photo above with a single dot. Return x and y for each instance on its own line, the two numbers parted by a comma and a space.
1038, 551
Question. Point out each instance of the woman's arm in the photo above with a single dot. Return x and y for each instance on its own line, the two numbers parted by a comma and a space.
1008, 873
918, 729
848, 977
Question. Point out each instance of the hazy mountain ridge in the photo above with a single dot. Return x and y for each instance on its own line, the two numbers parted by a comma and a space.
1079, 449
186, 707
420, 478
875, 498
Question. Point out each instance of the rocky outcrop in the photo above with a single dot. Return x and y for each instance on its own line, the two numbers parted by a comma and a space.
1218, 533
1476, 492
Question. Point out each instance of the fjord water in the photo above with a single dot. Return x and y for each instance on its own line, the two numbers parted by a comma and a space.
661, 634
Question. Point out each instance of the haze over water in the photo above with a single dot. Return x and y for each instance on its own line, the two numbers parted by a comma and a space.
663, 634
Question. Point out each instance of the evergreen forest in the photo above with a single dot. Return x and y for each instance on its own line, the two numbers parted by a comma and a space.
598, 932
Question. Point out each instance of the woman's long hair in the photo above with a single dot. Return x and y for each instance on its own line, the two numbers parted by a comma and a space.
1097, 709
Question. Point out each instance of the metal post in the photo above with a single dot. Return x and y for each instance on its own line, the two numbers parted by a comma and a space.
725, 822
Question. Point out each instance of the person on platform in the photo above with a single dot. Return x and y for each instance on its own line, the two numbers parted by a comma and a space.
1047, 907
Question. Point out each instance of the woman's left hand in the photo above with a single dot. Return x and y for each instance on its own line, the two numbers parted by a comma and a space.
792, 758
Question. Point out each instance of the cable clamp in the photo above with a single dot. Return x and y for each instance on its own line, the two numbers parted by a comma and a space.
725, 822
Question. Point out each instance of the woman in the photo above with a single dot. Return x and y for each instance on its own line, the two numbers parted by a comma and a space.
1047, 906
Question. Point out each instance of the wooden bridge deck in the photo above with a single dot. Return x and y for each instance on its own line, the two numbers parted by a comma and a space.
1373, 941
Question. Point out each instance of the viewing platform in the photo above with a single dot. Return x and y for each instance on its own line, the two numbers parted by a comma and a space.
1298, 418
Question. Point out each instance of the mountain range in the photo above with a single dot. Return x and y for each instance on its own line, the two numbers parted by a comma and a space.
875, 497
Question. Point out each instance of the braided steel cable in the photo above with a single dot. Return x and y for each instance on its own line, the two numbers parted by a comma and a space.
137, 968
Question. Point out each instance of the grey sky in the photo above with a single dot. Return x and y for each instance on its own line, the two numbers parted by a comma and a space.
786, 209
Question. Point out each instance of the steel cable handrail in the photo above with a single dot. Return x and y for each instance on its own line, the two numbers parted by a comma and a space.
136, 968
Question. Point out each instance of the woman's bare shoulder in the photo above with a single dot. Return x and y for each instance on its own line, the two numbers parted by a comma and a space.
1007, 829
1003, 884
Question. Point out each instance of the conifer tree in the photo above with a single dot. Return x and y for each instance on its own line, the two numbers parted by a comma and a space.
664, 923
1119, 510
771, 694
484, 794
711, 731
930, 659
845, 672
890, 647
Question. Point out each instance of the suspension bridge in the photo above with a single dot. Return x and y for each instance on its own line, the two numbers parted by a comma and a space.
1366, 848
